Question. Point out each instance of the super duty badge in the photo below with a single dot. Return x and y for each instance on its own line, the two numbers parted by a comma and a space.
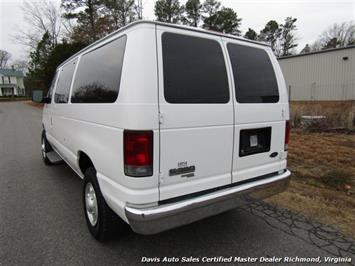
183, 169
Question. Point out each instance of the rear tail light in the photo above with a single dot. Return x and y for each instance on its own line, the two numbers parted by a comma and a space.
287, 134
138, 153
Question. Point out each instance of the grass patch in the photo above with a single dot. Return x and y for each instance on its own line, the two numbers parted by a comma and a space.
323, 178
337, 178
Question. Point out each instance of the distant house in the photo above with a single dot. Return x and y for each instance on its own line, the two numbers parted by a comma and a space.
11, 82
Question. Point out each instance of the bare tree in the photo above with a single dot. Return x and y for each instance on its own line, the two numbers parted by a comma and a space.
316, 46
40, 17
138, 6
4, 58
338, 35
53, 14
68, 27
20, 65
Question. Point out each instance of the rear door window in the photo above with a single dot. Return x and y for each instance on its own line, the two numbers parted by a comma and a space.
98, 77
63, 87
194, 70
254, 76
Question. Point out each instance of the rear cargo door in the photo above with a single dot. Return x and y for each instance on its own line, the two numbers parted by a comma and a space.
261, 109
196, 112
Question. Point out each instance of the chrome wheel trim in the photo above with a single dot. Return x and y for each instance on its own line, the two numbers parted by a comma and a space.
43, 148
91, 204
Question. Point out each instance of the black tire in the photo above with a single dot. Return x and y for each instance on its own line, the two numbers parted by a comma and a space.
108, 223
45, 147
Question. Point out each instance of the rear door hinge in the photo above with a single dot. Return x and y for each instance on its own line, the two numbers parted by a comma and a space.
161, 177
161, 118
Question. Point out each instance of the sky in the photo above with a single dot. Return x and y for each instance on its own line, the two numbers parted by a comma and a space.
313, 17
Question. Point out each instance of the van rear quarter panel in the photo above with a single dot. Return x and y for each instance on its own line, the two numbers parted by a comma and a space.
97, 129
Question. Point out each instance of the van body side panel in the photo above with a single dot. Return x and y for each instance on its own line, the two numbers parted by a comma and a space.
196, 138
47, 108
254, 116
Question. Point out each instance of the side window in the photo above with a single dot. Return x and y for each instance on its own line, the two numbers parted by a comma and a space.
98, 76
63, 85
194, 70
50, 91
254, 76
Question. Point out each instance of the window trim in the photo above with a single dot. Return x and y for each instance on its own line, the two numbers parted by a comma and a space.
103, 44
91, 50
55, 80
56, 83
193, 35
74, 75
267, 52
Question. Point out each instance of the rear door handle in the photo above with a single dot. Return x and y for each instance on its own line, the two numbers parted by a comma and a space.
274, 154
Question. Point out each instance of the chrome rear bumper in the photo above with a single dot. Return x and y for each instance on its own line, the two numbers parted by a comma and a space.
166, 216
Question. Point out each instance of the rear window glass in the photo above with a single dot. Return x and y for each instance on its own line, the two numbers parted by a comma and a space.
194, 70
98, 77
63, 86
254, 76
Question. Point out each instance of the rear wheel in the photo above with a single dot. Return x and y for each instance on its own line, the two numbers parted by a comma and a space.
45, 148
100, 219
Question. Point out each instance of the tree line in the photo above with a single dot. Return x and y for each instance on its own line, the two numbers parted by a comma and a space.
59, 33
55, 33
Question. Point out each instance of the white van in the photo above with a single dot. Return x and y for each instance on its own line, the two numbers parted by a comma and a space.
167, 125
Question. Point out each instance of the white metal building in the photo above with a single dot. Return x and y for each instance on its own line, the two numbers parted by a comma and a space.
327, 75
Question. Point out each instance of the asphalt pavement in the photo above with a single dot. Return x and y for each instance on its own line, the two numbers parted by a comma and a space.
42, 220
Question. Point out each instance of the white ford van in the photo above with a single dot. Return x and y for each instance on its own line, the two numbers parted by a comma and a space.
168, 124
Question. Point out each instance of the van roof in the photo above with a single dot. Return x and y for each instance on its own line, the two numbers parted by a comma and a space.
140, 22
